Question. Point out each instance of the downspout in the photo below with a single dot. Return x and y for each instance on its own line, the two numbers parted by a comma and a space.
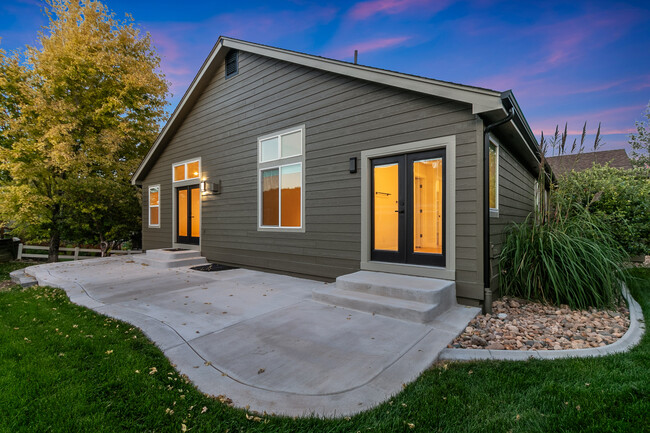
487, 300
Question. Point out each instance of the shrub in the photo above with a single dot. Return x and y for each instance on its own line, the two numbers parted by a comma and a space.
564, 260
619, 198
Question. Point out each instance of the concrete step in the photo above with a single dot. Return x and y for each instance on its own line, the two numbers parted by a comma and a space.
20, 277
171, 254
419, 289
165, 259
371, 303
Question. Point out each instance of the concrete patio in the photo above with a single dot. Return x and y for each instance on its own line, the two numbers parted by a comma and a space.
259, 338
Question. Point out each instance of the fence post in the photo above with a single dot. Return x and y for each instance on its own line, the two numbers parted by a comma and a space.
76, 253
20, 251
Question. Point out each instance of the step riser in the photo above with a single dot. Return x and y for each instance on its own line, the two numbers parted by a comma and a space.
434, 296
172, 255
384, 309
166, 264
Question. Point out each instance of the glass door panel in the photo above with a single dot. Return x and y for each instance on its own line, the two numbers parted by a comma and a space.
386, 214
182, 212
388, 209
195, 207
427, 206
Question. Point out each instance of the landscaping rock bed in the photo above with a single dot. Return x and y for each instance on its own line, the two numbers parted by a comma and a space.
516, 324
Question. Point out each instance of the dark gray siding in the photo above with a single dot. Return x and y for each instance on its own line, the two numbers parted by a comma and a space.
516, 201
343, 116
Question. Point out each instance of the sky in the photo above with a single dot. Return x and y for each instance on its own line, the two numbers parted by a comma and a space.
565, 61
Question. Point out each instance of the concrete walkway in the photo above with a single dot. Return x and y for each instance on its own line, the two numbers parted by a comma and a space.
259, 338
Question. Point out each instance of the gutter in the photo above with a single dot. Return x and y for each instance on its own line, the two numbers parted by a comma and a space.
487, 300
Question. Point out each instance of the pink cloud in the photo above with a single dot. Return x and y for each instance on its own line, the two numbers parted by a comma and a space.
366, 47
364, 10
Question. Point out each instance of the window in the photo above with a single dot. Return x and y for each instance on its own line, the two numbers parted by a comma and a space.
154, 206
187, 170
280, 169
232, 63
494, 176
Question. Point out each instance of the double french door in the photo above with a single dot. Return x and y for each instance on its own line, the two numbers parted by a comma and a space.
188, 214
408, 208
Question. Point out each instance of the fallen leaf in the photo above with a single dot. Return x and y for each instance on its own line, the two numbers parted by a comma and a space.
108, 352
260, 371
183, 428
410, 424
204, 410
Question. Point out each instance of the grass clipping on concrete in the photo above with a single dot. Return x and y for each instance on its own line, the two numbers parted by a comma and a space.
64, 368
563, 260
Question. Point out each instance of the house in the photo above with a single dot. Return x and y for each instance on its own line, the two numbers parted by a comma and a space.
565, 163
293, 163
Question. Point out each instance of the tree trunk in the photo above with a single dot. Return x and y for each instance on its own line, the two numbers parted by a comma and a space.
53, 251
103, 245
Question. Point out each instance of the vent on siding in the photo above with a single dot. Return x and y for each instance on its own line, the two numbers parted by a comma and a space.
232, 66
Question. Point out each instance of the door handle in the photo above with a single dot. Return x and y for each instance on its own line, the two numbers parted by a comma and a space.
400, 211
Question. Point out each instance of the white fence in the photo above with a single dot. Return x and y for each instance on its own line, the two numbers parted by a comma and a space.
96, 252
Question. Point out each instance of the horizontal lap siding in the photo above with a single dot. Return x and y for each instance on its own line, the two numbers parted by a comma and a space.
516, 201
343, 117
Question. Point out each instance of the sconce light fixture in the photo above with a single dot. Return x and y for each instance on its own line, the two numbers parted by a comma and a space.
353, 165
211, 188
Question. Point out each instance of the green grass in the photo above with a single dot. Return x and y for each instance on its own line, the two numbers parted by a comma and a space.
6, 267
66, 380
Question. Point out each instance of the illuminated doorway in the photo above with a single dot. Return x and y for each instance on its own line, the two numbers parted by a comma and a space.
188, 214
408, 208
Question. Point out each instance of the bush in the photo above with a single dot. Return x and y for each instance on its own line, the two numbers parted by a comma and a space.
564, 260
619, 198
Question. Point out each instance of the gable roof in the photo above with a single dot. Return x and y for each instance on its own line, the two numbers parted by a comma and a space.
565, 163
485, 102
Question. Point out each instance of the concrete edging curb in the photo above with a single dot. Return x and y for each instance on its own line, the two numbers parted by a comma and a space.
630, 339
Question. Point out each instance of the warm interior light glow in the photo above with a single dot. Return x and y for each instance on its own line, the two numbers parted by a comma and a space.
290, 198
153, 216
196, 212
182, 212
427, 206
270, 197
193, 170
153, 197
493, 176
179, 172
386, 218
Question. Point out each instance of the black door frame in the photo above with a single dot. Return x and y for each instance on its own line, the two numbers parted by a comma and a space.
405, 253
189, 239
385, 255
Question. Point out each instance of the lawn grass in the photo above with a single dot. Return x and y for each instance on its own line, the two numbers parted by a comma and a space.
7, 267
64, 368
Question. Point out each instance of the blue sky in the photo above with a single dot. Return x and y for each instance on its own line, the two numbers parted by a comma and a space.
565, 61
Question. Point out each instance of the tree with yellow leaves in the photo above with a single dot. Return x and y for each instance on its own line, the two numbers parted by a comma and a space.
79, 113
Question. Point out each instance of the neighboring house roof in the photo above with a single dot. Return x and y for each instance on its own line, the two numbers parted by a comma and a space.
491, 105
615, 158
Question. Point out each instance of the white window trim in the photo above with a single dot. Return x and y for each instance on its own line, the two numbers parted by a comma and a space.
153, 226
279, 163
186, 182
494, 211
185, 163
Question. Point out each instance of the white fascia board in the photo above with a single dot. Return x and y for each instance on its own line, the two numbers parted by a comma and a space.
482, 100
